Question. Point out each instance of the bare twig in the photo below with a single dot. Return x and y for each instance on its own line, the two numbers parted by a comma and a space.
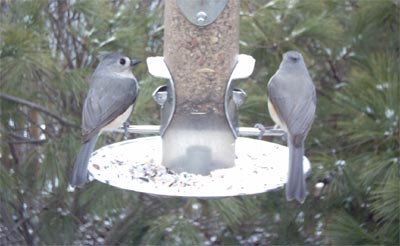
37, 107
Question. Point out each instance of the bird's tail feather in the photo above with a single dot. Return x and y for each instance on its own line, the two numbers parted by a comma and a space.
295, 186
79, 173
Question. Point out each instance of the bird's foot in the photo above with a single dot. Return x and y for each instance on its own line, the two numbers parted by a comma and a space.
126, 133
262, 129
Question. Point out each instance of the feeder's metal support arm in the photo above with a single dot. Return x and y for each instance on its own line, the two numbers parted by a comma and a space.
243, 131
255, 132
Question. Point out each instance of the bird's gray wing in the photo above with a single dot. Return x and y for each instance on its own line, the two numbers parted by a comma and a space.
105, 101
303, 116
297, 112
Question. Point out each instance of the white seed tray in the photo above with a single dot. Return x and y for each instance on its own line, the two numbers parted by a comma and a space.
135, 165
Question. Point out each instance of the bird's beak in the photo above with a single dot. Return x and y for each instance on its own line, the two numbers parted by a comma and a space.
135, 62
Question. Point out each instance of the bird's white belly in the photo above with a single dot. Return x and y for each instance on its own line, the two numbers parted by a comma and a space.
117, 122
275, 117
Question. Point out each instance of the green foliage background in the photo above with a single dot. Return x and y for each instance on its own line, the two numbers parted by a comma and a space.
48, 51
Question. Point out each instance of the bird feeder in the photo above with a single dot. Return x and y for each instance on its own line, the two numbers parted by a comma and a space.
200, 52
200, 151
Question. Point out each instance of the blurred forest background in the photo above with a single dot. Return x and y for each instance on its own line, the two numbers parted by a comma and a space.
48, 51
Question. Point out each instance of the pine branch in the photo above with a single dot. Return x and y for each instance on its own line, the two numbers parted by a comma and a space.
114, 237
37, 107
24, 140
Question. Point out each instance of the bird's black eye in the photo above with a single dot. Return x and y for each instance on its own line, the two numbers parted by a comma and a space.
122, 61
